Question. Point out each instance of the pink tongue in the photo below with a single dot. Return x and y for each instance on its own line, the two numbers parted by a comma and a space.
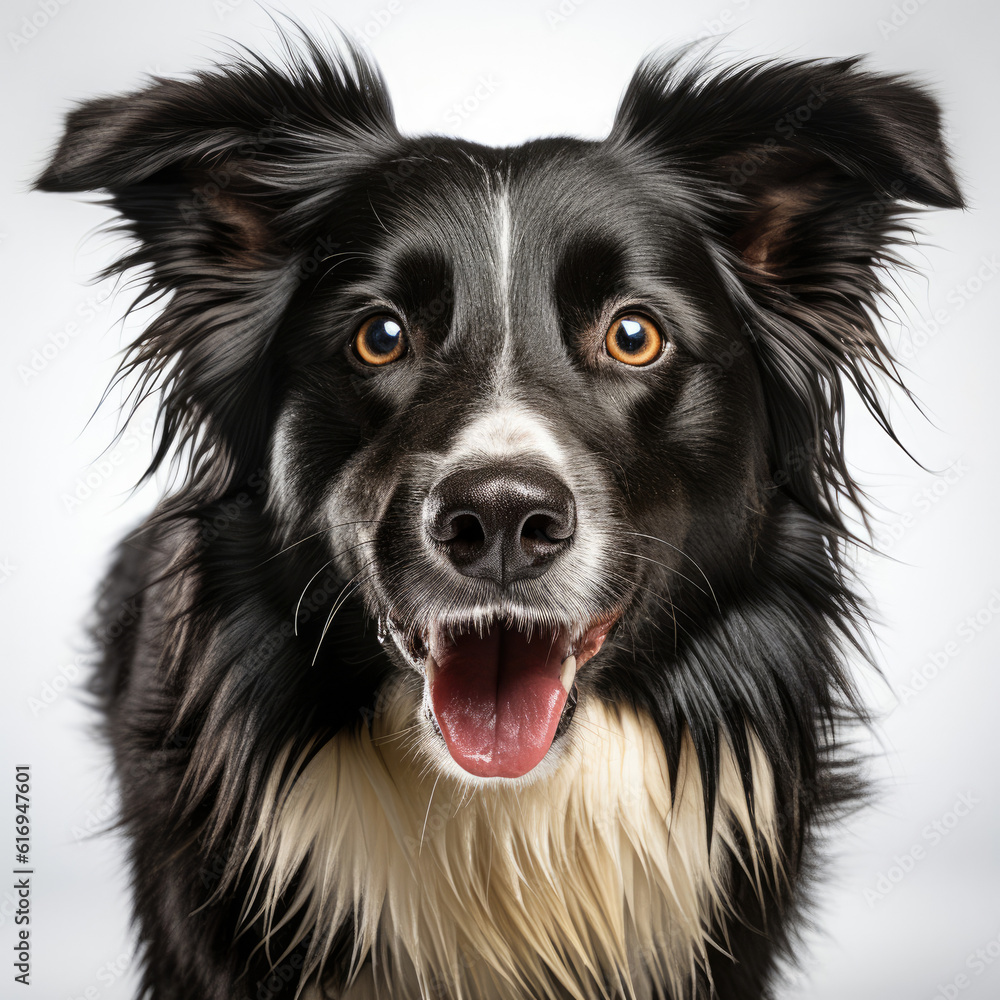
498, 700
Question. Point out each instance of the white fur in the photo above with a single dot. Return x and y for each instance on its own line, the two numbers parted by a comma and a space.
504, 238
505, 430
282, 465
504, 242
588, 875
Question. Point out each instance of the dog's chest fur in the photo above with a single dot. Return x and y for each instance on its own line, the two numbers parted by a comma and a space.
590, 881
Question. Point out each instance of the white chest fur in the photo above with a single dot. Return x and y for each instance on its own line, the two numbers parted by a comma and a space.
585, 883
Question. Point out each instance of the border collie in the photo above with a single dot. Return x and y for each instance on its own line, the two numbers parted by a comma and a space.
492, 643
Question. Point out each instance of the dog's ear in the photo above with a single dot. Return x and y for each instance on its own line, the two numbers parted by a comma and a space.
806, 170
220, 179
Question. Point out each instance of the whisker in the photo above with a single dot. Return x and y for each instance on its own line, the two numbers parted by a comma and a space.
339, 602
690, 558
339, 552
665, 602
671, 569
287, 548
399, 734
427, 814
298, 603
330, 527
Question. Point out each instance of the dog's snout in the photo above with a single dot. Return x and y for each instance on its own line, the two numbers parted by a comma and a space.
501, 524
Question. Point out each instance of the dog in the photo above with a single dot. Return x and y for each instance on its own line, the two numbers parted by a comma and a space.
492, 640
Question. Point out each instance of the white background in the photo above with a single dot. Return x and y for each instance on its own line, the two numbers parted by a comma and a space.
544, 74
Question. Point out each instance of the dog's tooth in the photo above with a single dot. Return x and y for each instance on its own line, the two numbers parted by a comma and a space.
429, 668
568, 674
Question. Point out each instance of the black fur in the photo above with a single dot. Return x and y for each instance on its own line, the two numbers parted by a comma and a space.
750, 211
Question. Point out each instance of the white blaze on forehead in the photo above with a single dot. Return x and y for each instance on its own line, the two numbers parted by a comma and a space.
507, 430
503, 230
504, 237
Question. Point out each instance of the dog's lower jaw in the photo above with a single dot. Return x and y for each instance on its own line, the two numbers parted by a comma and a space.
589, 881
497, 693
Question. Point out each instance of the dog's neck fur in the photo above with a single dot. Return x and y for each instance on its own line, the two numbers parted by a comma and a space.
590, 882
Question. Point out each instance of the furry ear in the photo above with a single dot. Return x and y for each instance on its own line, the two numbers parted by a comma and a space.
219, 179
808, 169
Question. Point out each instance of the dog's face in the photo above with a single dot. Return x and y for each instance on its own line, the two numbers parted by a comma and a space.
509, 417
553, 412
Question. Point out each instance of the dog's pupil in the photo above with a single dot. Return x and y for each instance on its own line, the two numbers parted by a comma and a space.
630, 336
383, 336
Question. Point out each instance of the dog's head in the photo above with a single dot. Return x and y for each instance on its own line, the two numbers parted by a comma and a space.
555, 411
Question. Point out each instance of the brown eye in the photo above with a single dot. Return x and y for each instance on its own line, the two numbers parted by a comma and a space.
380, 341
634, 340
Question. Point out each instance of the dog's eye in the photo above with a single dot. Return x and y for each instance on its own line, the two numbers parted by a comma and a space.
634, 340
379, 341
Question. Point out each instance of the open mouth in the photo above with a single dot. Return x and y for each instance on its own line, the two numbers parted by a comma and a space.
499, 694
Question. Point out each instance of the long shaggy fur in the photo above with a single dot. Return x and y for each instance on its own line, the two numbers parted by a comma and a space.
295, 823
605, 870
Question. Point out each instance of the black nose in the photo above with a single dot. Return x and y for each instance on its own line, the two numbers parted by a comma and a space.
501, 523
